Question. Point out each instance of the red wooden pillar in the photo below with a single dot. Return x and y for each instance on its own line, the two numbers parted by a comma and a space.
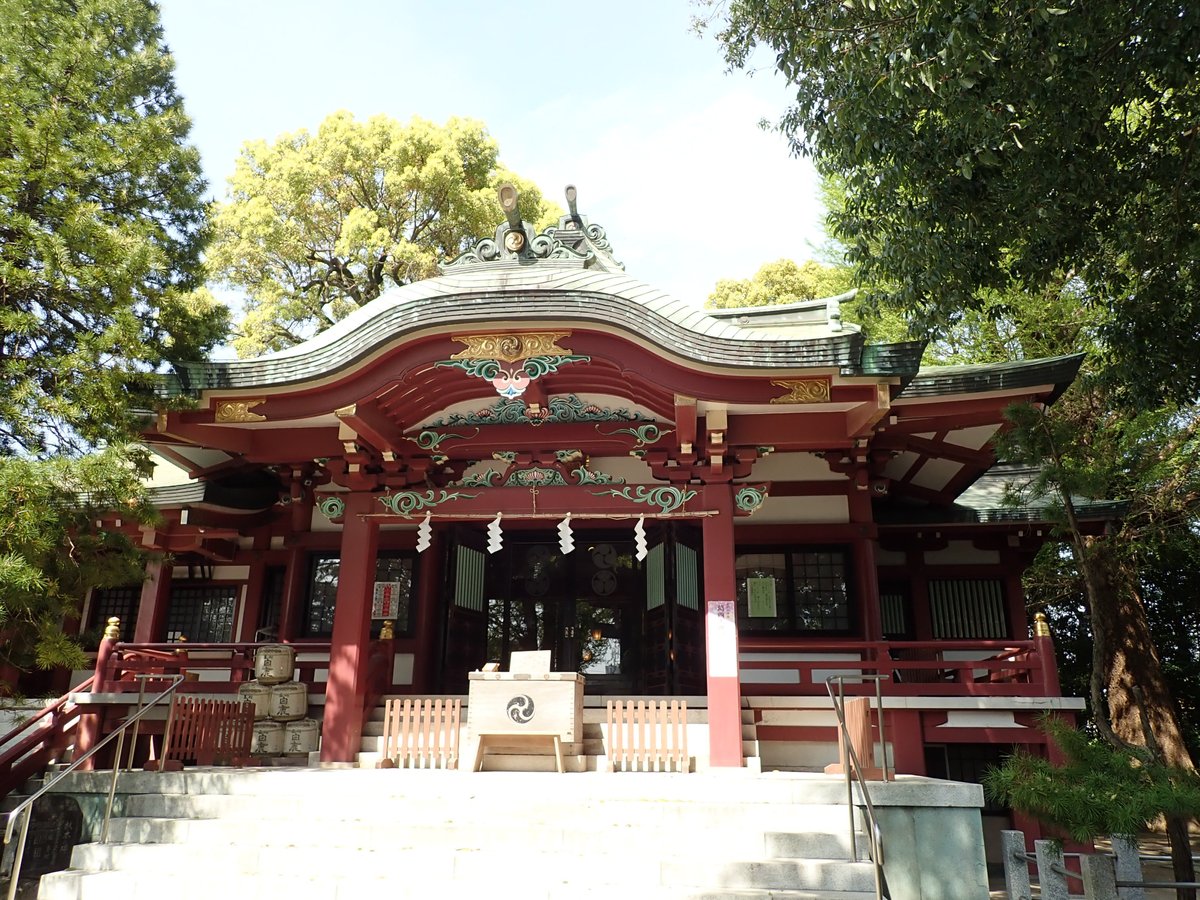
295, 583
1014, 564
252, 608
152, 607
349, 649
866, 584
88, 733
721, 637
918, 586
429, 591
1047, 659
906, 735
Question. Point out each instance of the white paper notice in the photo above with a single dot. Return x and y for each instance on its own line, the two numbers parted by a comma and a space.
722, 639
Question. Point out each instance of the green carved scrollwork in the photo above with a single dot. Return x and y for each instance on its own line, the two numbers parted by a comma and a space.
431, 440
537, 366
480, 479
643, 434
535, 477
486, 369
584, 475
667, 499
750, 497
404, 503
331, 507
513, 411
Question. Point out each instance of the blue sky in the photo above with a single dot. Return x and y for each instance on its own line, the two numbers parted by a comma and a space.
618, 97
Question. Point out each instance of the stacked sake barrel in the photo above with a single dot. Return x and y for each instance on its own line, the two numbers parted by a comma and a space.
280, 704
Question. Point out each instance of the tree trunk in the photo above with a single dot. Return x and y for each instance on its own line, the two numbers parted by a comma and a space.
1140, 706
1135, 682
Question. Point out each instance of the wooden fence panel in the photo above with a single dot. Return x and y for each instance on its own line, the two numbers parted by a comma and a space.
648, 736
421, 734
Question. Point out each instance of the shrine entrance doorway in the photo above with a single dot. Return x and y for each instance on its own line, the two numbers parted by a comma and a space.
598, 610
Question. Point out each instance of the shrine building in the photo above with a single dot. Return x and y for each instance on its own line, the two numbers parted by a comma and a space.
534, 450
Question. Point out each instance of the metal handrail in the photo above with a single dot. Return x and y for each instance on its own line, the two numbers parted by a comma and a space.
854, 772
27, 803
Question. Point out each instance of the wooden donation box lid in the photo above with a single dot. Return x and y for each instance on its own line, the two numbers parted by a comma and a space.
514, 703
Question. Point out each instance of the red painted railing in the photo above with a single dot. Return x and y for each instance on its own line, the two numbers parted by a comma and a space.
914, 668
117, 673
39, 740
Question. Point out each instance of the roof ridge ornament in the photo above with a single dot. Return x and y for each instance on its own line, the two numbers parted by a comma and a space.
573, 239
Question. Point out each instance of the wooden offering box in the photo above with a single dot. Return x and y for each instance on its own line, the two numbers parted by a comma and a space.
513, 703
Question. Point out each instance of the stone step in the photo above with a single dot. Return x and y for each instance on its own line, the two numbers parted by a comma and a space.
731, 786
471, 833
323, 833
245, 813
597, 864
501, 884
774, 874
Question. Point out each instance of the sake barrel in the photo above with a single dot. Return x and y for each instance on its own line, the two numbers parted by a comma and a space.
259, 695
288, 701
268, 738
300, 736
274, 663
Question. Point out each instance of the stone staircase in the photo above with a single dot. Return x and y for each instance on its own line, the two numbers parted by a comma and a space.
342, 833
591, 756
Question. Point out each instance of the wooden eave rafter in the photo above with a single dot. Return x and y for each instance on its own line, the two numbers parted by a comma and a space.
217, 544
261, 446
912, 421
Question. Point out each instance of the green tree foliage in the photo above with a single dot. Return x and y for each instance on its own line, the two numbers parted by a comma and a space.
101, 233
988, 146
1097, 790
51, 551
101, 221
317, 225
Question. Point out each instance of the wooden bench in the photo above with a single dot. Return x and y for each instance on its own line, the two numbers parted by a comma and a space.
420, 734
648, 736
206, 733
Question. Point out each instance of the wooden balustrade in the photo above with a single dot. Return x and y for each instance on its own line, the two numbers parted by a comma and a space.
206, 733
212, 668
986, 668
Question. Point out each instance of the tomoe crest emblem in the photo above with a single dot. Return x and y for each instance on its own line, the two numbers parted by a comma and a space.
520, 709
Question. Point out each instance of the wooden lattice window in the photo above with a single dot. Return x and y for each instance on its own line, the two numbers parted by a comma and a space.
202, 614
801, 591
967, 608
121, 602
392, 566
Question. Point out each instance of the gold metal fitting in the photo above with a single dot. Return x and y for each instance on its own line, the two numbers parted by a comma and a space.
113, 631
1041, 625
386, 632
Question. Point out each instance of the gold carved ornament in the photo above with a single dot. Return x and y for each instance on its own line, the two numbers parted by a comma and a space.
805, 390
227, 411
511, 347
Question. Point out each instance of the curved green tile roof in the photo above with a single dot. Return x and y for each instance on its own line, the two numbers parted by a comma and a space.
562, 293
